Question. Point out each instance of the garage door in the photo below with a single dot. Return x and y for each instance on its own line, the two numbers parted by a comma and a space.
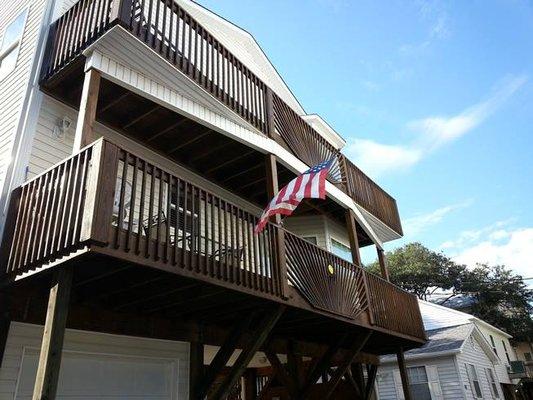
106, 377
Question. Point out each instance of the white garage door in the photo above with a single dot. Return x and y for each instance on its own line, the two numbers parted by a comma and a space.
105, 377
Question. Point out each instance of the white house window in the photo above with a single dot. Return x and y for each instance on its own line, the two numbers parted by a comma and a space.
506, 352
11, 40
418, 381
341, 250
493, 345
492, 382
474, 381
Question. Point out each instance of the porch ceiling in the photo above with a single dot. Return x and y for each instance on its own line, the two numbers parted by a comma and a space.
218, 158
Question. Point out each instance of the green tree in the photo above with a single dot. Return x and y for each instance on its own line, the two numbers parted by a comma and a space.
501, 298
420, 270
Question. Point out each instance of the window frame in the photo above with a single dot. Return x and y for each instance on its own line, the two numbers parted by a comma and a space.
333, 239
15, 47
491, 377
426, 382
506, 352
493, 344
473, 387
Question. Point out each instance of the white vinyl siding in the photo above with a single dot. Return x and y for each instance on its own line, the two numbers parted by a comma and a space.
502, 375
11, 40
442, 377
140, 357
312, 226
474, 354
13, 87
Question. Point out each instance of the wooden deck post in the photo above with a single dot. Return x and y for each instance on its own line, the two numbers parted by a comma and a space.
351, 226
87, 114
383, 264
272, 189
403, 374
196, 368
5, 322
53, 335
250, 384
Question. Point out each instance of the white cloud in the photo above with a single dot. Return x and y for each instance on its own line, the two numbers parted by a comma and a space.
379, 158
419, 223
511, 248
431, 133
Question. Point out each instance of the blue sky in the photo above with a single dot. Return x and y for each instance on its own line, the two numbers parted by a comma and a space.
435, 100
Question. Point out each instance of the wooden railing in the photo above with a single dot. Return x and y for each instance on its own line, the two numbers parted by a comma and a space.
365, 192
176, 36
328, 282
47, 220
107, 199
393, 308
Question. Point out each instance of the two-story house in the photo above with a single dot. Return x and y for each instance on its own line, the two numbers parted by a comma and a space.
139, 142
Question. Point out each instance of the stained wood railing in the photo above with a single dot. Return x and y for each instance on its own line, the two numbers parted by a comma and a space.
175, 35
110, 200
47, 219
394, 308
328, 282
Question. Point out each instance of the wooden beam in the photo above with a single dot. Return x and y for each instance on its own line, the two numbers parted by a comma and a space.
240, 173
383, 264
250, 384
114, 102
54, 331
271, 169
281, 373
358, 344
262, 332
167, 129
351, 226
196, 367
371, 380
230, 161
140, 117
208, 151
190, 141
321, 366
87, 115
403, 375
5, 322
223, 355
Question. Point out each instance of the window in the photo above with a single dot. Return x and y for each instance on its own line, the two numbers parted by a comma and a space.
506, 352
11, 39
492, 382
341, 250
474, 381
493, 345
527, 356
418, 382
311, 239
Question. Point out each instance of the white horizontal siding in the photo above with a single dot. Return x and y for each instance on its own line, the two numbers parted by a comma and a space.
472, 353
25, 336
388, 386
313, 226
13, 87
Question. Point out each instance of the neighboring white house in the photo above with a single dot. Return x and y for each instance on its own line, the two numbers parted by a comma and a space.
465, 358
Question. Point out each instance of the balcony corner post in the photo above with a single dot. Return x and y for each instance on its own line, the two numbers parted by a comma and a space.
383, 264
269, 107
87, 114
101, 180
121, 12
272, 190
351, 226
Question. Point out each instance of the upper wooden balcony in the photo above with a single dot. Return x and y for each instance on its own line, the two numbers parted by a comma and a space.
106, 207
176, 36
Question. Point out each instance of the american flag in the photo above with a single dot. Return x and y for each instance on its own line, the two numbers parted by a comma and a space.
309, 185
